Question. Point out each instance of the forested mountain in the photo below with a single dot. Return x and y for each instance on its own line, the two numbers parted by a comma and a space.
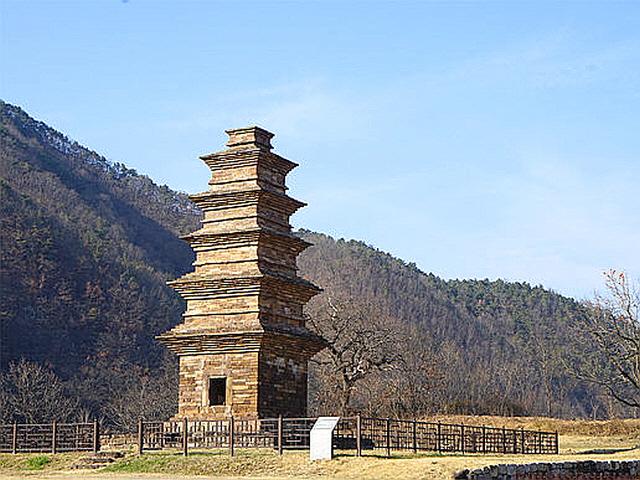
87, 246
493, 346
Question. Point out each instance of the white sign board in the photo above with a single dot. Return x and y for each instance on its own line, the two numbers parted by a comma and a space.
321, 441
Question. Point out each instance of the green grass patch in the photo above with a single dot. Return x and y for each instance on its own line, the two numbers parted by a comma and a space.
38, 462
219, 463
24, 462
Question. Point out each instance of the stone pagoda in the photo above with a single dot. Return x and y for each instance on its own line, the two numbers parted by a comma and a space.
243, 345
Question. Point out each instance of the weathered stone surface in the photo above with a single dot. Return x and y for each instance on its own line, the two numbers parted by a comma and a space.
619, 470
244, 316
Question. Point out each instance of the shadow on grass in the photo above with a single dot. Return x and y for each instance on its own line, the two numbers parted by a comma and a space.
607, 451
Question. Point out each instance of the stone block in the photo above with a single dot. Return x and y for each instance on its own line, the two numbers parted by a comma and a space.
244, 301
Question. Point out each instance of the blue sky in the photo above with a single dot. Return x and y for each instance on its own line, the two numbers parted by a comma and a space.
478, 139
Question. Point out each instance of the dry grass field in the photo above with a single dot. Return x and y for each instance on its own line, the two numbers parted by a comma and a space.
579, 440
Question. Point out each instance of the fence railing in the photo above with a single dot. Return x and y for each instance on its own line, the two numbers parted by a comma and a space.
352, 433
358, 434
49, 437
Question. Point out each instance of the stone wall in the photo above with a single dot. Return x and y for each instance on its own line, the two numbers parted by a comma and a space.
241, 372
585, 470
284, 368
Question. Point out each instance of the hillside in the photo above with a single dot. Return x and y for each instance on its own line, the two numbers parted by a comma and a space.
87, 246
498, 347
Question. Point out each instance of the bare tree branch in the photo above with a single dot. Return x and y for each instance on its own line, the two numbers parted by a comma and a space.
613, 327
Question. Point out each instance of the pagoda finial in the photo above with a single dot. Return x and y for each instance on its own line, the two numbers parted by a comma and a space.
249, 137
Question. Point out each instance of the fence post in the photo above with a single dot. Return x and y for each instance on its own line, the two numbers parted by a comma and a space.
54, 434
439, 438
280, 435
522, 439
359, 435
185, 436
415, 436
388, 437
462, 445
231, 436
539, 443
557, 445
14, 438
96, 436
484, 439
140, 436
504, 440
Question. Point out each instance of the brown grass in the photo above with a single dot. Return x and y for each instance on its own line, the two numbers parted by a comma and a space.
267, 465
596, 428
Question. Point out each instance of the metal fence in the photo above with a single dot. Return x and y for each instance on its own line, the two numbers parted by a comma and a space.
357, 434
49, 437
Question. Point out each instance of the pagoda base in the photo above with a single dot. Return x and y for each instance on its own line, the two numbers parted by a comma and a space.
249, 375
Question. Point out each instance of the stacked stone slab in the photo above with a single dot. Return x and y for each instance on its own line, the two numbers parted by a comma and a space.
579, 470
244, 317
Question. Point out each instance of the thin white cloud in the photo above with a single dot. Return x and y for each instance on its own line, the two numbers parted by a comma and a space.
296, 110
522, 208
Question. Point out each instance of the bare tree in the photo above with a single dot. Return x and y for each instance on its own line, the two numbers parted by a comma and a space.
413, 388
6, 415
360, 341
546, 356
34, 394
613, 327
151, 397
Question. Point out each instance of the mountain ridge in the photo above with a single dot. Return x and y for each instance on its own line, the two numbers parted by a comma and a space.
91, 243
